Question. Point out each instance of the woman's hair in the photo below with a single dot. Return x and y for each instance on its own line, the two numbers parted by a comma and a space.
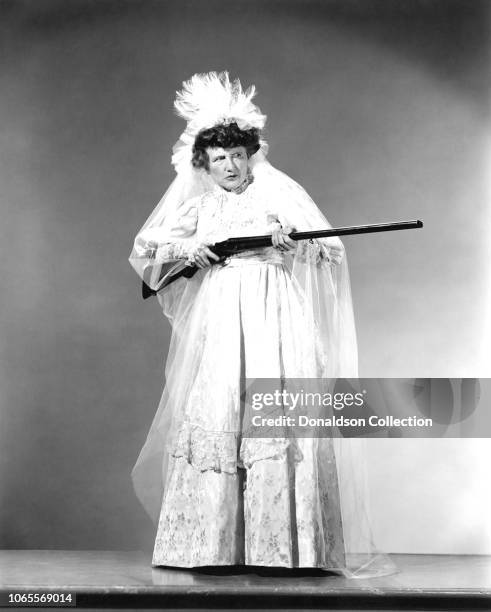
226, 136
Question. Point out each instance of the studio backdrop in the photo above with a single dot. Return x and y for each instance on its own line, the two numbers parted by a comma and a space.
380, 109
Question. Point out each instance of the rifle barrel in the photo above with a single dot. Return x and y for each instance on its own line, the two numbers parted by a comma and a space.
359, 229
334, 231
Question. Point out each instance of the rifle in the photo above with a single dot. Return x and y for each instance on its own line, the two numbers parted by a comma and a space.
246, 243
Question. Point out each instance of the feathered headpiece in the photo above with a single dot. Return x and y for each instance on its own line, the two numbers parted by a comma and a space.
211, 99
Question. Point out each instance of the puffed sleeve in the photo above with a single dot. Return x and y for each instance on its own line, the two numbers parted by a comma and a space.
159, 250
178, 235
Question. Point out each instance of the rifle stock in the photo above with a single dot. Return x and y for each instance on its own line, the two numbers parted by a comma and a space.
233, 246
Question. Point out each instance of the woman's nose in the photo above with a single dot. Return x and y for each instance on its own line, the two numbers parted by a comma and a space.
230, 164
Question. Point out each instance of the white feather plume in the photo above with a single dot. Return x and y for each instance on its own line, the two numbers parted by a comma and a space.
212, 98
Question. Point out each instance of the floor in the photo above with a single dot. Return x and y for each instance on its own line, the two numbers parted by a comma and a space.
126, 580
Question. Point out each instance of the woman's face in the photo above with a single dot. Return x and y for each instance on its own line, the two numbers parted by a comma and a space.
228, 167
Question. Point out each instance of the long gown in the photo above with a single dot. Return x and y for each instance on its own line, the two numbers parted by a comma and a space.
252, 501
230, 499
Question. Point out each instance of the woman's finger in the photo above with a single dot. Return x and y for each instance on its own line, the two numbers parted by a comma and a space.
210, 254
281, 242
202, 257
274, 238
199, 258
287, 241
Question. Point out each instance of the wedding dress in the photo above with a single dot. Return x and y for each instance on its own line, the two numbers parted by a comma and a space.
217, 496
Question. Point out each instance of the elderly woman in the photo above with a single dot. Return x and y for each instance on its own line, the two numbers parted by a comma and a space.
217, 495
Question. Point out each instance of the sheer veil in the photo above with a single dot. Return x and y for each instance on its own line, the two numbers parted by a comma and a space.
328, 306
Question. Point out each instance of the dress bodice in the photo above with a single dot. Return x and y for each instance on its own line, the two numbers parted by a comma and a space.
224, 214
218, 215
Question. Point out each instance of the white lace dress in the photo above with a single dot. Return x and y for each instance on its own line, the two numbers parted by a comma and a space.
232, 500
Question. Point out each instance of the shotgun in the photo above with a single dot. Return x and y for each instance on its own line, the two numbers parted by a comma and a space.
233, 246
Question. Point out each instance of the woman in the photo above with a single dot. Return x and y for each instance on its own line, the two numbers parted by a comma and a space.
220, 496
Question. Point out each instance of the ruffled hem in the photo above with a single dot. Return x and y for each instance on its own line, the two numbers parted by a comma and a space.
253, 450
207, 450
223, 451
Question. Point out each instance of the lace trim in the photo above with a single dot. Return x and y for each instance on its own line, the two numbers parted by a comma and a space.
313, 251
171, 250
258, 449
220, 452
207, 450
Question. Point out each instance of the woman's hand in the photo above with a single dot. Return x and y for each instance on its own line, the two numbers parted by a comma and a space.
281, 239
202, 256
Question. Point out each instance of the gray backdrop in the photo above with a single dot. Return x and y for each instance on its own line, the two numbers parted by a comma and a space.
378, 108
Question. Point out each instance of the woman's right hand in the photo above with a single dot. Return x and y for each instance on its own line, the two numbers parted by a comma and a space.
202, 256
281, 240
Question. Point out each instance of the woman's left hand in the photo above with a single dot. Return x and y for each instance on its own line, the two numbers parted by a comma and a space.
281, 240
